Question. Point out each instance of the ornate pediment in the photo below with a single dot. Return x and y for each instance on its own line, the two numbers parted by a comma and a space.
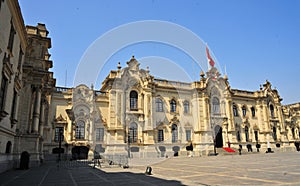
133, 64
7, 67
160, 125
188, 125
174, 120
60, 119
83, 94
213, 74
255, 127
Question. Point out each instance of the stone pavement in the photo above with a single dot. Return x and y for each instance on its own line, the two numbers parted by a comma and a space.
247, 169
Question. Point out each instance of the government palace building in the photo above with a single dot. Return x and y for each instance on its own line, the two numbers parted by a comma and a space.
133, 113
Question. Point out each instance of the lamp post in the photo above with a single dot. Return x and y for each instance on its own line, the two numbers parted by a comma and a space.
60, 136
128, 145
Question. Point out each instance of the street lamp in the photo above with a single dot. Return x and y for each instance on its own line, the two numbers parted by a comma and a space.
60, 138
128, 143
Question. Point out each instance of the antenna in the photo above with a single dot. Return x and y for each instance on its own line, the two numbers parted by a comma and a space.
66, 78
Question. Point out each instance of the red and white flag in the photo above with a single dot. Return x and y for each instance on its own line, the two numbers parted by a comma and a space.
209, 58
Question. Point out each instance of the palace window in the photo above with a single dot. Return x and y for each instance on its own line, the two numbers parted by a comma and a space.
188, 135
247, 133
244, 110
235, 111
80, 128
4, 83
160, 135
11, 37
172, 105
14, 105
58, 131
99, 134
159, 105
253, 111
8, 147
132, 137
174, 133
133, 100
20, 58
216, 106
186, 107
272, 111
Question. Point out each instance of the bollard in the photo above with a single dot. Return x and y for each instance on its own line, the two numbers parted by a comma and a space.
148, 170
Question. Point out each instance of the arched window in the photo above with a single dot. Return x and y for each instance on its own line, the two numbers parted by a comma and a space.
186, 107
80, 126
244, 110
159, 105
8, 147
172, 105
215, 106
235, 111
272, 111
253, 111
133, 100
274, 133
132, 137
247, 133
174, 133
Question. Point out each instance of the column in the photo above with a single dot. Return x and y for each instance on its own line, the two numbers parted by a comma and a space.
229, 115
16, 106
42, 118
205, 114
117, 109
265, 117
29, 94
281, 120
147, 109
36, 111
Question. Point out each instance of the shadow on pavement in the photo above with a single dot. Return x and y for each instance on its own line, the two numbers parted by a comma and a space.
50, 174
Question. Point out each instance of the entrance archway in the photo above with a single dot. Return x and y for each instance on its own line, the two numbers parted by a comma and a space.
80, 152
218, 136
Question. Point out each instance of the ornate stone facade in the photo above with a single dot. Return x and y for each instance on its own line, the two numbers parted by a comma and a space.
26, 86
133, 113
136, 113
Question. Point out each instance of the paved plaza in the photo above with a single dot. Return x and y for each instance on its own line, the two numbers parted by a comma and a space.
247, 169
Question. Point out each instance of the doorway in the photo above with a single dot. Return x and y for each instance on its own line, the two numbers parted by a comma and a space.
80, 152
218, 137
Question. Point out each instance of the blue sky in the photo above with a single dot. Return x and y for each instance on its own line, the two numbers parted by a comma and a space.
256, 40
